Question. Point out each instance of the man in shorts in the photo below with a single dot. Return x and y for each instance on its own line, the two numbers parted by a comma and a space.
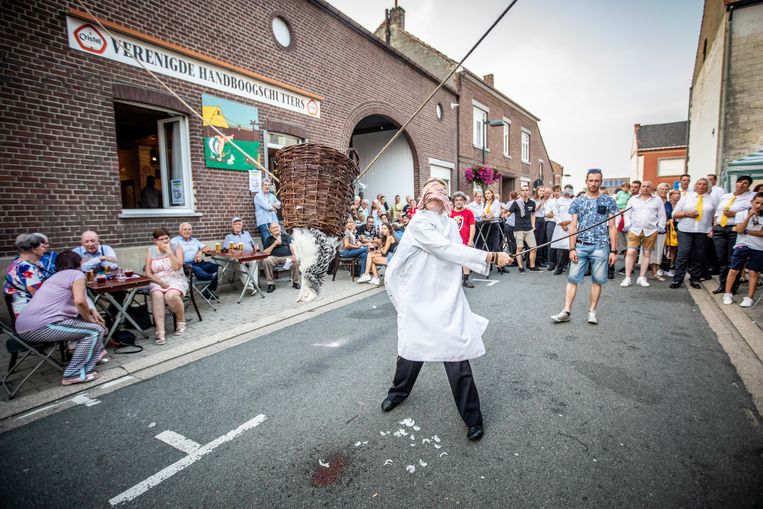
748, 251
596, 245
645, 217
523, 209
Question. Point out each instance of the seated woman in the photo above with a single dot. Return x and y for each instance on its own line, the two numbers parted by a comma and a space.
24, 275
48, 258
380, 256
59, 311
164, 267
240, 237
351, 247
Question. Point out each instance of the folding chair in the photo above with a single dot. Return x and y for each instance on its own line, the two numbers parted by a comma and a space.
199, 287
42, 353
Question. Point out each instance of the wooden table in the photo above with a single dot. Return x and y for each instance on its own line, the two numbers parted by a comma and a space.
248, 263
104, 290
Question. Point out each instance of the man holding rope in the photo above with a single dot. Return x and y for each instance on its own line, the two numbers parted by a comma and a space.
593, 215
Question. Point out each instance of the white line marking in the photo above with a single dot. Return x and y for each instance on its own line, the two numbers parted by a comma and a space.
178, 441
84, 399
490, 282
37, 411
184, 462
116, 382
333, 344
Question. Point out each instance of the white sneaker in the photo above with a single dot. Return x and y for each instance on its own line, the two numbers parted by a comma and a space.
746, 303
564, 316
728, 298
592, 318
364, 278
374, 281
660, 272
670, 273
642, 282
626, 282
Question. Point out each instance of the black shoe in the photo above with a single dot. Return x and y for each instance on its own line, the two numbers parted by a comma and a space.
270, 289
695, 284
521, 270
467, 284
296, 286
551, 268
388, 404
475, 433
718, 290
535, 269
675, 284
558, 271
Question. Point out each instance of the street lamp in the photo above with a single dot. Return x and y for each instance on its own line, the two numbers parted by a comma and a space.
486, 123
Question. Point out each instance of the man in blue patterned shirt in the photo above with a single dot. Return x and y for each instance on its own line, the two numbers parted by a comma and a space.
596, 246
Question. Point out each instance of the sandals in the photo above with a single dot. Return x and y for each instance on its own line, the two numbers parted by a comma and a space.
102, 359
77, 380
181, 326
160, 338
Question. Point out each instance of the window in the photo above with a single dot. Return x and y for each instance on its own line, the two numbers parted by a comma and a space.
540, 169
670, 167
506, 126
276, 141
525, 146
479, 127
438, 111
281, 31
154, 160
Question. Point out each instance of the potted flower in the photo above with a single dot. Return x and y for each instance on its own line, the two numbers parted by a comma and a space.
483, 176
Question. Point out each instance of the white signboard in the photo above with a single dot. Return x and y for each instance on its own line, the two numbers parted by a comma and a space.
176, 191
255, 181
88, 37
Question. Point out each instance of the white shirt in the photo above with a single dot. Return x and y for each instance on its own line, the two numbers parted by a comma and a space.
540, 208
495, 210
717, 192
645, 216
755, 224
689, 204
561, 213
510, 219
550, 208
477, 209
423, 280
741, 203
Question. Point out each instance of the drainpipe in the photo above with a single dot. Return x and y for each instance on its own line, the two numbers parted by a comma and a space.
724, 93
387, 30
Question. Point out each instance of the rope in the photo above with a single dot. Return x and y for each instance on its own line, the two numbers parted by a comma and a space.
522, 253
455, 68
184, 103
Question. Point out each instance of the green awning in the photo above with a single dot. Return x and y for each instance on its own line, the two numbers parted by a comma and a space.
749, 163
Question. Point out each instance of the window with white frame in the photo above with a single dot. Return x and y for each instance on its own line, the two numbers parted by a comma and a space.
154, 159
540, 169
479, 127
525, 146
670, 167
506, 146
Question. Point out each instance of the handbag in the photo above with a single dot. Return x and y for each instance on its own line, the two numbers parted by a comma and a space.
671, 237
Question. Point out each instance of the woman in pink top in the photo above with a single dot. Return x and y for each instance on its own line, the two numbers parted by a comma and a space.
59, 311
168, 283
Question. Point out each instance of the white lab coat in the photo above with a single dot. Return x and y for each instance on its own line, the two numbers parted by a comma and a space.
423, 280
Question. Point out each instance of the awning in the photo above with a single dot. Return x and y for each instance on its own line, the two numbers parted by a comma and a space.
751, 162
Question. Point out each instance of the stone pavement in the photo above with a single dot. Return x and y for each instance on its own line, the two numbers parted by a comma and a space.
229, 321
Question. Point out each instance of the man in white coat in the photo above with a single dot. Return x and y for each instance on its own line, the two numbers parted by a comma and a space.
434, 321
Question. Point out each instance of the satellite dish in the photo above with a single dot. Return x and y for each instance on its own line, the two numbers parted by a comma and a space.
537, 183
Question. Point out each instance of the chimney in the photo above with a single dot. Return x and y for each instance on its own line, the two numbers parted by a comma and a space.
397, 16
489, 79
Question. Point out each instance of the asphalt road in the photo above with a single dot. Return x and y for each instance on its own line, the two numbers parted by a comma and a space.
644, 409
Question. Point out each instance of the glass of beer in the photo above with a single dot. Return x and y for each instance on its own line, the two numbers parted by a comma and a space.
240, 246
90, 276
218, 248
107, 270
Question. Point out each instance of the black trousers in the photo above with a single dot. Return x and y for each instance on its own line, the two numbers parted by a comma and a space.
493, 232
562, 258
724, 238
550, 227
540, 235
691, 256
511, 243
461, 385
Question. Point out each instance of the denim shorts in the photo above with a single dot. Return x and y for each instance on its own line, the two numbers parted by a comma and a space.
597, 256
745, 256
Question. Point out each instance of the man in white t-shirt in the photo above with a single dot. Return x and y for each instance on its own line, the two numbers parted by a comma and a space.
748, 251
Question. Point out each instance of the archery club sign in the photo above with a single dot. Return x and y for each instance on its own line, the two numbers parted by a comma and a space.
87, 37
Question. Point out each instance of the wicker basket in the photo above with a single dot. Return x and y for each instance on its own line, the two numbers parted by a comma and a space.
316, 187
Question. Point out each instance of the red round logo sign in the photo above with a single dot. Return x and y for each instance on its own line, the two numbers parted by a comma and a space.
90, 39
312, 107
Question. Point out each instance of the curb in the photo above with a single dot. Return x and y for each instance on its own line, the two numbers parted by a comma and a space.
745, 327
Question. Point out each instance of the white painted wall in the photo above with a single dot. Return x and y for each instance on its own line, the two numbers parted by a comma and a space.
393, 173
705, 110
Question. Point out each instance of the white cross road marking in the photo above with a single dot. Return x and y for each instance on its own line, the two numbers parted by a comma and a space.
84, 399
116, 382
178, 441
490, 282
333, 344
184, 462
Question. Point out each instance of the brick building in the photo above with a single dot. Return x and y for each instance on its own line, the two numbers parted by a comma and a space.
658, 152
726, 96
83, 126
492, 128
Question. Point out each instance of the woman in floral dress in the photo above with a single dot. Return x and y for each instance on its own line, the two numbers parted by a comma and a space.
168, 283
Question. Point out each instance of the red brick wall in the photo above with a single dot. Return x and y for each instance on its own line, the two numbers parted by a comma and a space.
58, 157
512, 166
651, 159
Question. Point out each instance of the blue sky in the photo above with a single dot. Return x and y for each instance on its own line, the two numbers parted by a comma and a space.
590, 69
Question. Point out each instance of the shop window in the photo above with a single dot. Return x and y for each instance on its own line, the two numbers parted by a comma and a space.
154, 160
525, 146
281, 31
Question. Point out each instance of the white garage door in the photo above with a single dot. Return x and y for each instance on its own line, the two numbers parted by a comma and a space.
390, 175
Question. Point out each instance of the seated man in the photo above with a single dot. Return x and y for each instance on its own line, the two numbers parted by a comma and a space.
369, 234
95, 256
279, 249
240, 237
193, 253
